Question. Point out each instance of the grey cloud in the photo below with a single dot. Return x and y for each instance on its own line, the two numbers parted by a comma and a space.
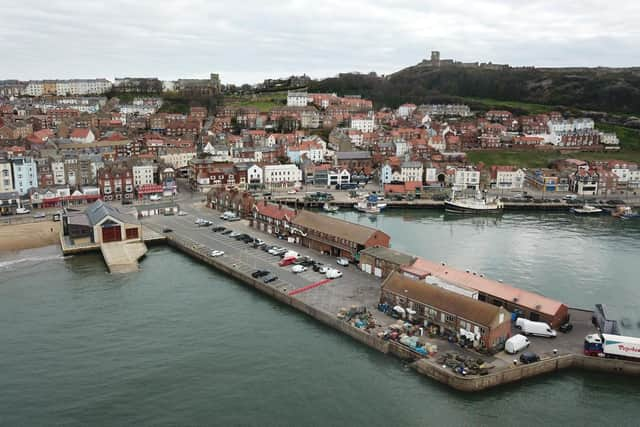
251, 40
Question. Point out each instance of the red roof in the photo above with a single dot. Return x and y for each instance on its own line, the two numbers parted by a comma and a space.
422, 267
275, 211
80, 133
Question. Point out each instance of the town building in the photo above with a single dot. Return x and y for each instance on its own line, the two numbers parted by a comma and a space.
382, 261
271, 218
334, 236
466, 179
297, 99
363, 122
25, 174
584, 182
6, 176
100, 223
9, 202
527, 304
283, 175
82, 135
485, 325
507, 178
115, 183
411, 171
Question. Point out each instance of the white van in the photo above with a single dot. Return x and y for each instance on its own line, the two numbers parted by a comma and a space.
530, 327
516, 343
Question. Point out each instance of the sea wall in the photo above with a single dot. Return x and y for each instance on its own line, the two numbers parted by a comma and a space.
426, 367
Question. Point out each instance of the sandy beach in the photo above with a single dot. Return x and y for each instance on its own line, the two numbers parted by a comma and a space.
16, 237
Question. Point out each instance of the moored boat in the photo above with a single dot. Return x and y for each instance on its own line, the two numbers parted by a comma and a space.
473, 205
624, 212
370, 204
327, 207
587, 210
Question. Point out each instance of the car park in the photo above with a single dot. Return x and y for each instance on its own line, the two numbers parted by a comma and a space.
298, 269
342, 261
216, 253
529, 357
259, 273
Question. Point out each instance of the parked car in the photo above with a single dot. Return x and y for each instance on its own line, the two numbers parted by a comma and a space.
39, 215
259, 273
270, 278
291, 192
21, 211
287, 261
167, 230
227, 232
570, 197
155, 197
235, 234
529, 327
529, 357
182, 213
317, 266
298, 269
267, 248
566, 327
218, 229
216, 253
332, 273
516, 343
342, 261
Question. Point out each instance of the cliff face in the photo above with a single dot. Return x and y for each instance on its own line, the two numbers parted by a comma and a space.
615, 90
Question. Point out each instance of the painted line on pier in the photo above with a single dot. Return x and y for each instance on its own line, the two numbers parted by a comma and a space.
306, 288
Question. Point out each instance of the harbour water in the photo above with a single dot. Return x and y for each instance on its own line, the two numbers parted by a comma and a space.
179, 343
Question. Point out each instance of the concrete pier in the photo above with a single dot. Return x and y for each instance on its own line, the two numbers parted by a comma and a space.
358, 288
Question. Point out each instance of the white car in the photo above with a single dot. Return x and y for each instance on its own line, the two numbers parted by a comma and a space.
291, 192
155, 197
216, 253
342, 261
323, 269
298, 269
332, 273
182, 213
21, 211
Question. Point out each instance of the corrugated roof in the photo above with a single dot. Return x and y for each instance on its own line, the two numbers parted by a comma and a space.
333, 226
521, 297
459, 305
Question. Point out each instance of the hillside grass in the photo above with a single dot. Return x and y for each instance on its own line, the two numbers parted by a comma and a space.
262, 101
494, 104
542, 159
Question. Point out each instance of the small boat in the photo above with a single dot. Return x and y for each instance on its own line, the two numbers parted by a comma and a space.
473, 205
624, 212
587, 210
370, 204
330, 208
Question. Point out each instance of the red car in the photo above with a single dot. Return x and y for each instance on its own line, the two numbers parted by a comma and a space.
287, 261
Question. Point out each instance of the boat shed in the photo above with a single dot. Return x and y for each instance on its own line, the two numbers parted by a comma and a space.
334, 236
487, 325
101, 223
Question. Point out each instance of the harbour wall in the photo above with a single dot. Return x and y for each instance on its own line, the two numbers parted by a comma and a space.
427, 367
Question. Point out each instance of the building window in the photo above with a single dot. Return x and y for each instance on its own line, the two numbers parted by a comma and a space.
450, 318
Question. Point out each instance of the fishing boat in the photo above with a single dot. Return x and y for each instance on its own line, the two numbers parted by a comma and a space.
587, 210
473, 205
624, 212
370, 204
327, 207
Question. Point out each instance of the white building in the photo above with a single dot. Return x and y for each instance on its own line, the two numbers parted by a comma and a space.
168, 85
466, 179
82, 135
411, 171
282, 174
6, 177
142, 174
569, 126
34, 88
177, 158
386, 174
337, 177
255, 175
57, 170
364, 123
297, 99
609, 138
405, 110
431, 175
509, 179
401, 147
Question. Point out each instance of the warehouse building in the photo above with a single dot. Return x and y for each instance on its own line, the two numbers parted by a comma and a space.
381, 261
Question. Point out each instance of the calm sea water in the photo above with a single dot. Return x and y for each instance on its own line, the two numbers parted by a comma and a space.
180, 344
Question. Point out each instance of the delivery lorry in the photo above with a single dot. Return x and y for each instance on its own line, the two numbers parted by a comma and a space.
614, 346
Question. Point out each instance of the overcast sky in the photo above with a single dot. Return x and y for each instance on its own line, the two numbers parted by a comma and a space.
249, 40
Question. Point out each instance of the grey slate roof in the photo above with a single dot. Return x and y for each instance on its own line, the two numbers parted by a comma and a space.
356, 155
98, 210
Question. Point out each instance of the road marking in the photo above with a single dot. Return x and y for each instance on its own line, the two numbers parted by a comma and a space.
308, 287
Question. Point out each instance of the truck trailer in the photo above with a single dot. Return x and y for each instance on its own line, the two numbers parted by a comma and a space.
615, 346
